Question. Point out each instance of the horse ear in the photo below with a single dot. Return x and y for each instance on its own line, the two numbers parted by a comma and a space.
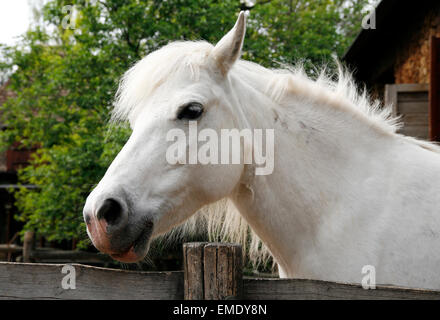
228, 49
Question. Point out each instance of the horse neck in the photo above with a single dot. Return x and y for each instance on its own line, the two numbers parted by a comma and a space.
322, 157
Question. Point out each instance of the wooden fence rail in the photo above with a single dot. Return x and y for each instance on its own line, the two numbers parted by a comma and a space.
211, 271
44, 281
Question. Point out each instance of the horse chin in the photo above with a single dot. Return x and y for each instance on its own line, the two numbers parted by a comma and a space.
128, 257
138, 250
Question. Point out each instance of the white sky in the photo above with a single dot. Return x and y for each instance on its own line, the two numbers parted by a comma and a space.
15, 17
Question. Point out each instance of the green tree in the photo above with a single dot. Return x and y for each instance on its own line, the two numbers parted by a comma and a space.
308, 31
65, 72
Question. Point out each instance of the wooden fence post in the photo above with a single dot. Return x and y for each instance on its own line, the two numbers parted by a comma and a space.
193, 270
28, 246
213, 271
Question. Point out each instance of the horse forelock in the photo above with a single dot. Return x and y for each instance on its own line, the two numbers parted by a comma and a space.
151, 72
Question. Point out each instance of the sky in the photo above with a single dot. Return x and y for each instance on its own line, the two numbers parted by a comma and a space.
15, 16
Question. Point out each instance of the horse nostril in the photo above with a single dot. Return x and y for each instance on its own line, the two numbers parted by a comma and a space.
110, 211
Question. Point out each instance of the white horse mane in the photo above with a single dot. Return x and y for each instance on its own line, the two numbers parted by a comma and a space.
221, 219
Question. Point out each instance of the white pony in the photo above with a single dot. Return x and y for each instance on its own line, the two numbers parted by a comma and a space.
346, 192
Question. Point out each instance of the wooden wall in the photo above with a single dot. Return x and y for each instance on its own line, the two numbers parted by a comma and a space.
412, 63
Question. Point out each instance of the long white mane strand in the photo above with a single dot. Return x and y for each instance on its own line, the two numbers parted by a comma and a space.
221, 220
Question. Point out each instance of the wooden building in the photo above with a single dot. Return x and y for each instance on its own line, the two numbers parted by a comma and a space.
399, 61
10, 161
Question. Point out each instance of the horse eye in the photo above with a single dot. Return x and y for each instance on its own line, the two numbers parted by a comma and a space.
191, 111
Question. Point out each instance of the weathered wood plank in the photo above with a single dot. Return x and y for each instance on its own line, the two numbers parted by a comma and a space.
237, 281
411, 87
302, 289
193, 273
222, 271
415, 119
413, 96
43, 281
413, 107
210, 273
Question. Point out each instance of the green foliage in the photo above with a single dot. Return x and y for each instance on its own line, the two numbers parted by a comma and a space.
65, 79
307, 31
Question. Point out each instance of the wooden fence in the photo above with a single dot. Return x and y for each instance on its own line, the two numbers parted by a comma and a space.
211, 271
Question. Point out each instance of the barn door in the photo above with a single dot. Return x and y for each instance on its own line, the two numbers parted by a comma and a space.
410, 102
434, 91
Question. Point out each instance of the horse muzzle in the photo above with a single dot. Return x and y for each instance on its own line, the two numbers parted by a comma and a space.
113, 232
